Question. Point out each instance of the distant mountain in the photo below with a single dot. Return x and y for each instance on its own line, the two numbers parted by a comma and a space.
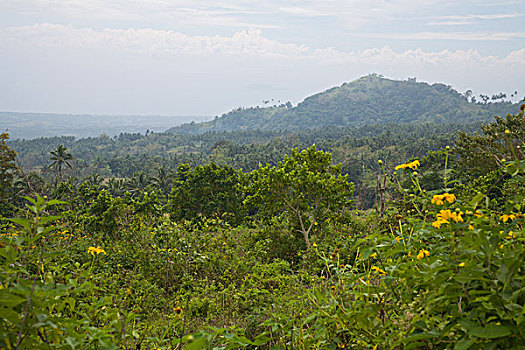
369, 100
34, 125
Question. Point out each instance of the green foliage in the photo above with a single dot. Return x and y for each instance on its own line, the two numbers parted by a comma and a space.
208, 191
501, 140
443, 268
46, 304
305, 187
8, 167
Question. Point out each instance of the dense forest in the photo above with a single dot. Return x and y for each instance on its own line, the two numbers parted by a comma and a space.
386, 236
133, 158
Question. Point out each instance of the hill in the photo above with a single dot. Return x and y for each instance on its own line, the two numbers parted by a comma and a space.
369, 100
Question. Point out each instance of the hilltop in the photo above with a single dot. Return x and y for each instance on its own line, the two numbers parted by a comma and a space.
366, 101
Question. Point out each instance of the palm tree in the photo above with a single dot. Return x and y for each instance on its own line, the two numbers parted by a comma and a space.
95, 180
116, 187
60, 156
162, 180
137, 183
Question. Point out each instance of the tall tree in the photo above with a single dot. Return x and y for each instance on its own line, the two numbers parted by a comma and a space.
305, 187
8, 167
502, 139
60, 157
207, 191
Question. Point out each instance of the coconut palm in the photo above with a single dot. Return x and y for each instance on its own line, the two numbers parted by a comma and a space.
162, 180
116, 187
60, 157
137, 183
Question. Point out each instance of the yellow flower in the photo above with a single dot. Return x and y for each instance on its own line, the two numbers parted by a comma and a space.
412, 165
506, 217
376, 269
445, 216
178, 311
422, 253
470, 227
439, 199
511, 235
461, 264
97, 250
438, 223
478, 214
449, 197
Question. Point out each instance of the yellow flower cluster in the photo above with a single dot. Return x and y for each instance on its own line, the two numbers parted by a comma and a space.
446, 216
439, 199
412, 165
97, 250
422, 253
510, 235
64, 234
8, 235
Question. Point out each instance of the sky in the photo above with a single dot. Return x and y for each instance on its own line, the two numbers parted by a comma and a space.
196, 57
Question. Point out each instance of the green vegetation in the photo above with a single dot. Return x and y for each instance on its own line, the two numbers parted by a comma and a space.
200, 254
370, 100
132, 161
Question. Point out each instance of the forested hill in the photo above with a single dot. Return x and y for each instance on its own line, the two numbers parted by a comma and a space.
369, 100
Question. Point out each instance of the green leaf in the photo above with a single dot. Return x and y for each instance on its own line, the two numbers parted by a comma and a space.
55, 201
260, 340
477, 198
20, 221
491, 331
197, 344
464, 344
10, 300
73, 342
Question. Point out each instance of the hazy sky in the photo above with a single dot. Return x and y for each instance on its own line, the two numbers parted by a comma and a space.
188, 57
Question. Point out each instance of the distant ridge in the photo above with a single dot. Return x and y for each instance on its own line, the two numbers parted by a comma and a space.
25, 125
368, 100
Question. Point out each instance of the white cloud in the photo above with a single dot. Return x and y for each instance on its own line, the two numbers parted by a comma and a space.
483, 17
450, 23
249, 43
459, 36
470, 19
